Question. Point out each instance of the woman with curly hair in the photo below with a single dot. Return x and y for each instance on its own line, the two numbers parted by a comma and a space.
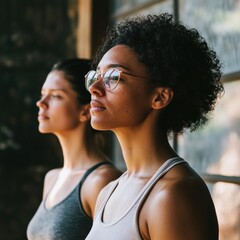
153, 77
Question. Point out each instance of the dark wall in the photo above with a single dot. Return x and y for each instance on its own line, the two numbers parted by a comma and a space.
100, 21
33, 35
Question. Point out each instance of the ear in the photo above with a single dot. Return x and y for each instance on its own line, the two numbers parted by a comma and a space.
162, 97
84, 114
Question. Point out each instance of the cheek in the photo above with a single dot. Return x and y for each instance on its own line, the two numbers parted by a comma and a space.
134, 112
133, 107
65, 115
135, 101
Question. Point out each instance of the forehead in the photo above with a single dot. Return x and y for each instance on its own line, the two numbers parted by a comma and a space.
121, 55
56, 79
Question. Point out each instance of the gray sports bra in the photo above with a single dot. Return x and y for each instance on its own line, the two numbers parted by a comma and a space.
65, 221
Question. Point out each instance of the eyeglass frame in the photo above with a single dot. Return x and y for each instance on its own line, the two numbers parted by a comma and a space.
102, 77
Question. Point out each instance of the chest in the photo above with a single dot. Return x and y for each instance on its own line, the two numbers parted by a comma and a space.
122, 199
61, 189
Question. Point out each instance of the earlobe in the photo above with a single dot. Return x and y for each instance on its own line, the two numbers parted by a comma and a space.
162, 97
84, 114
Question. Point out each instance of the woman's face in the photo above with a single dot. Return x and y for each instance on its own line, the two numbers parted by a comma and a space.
130, 102
58, 106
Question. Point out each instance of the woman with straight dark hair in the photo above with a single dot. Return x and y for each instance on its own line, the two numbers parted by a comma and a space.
70, 192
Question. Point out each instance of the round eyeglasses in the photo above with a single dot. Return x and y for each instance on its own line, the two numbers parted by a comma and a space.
110, 78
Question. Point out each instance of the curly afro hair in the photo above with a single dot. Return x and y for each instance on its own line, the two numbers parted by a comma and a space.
175, 57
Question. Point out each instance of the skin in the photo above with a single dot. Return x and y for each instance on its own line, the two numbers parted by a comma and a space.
61, 115
179, 205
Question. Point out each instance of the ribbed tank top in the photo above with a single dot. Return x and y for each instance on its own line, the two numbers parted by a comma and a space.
126, 227
66, 220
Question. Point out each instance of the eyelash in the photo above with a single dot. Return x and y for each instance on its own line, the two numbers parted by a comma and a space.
55, 96
51, 96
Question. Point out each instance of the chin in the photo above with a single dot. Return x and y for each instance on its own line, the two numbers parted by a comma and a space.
42, 130
97, 125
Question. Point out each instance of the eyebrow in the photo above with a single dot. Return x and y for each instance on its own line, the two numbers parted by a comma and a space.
53, 89
116, 65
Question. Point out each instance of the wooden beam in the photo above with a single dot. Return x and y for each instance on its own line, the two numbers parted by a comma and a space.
214, 178
84, 29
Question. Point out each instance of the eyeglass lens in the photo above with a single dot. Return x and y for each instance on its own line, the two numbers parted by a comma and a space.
110, 78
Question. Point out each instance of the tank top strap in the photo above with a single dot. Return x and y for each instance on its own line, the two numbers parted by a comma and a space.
90, 170
169, 164
113, 186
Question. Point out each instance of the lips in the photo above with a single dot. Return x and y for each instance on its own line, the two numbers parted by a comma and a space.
96, 106
42, 117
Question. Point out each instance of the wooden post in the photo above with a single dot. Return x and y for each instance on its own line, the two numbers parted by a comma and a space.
84, 28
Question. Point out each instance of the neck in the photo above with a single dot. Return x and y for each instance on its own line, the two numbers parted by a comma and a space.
79, 148
144, 149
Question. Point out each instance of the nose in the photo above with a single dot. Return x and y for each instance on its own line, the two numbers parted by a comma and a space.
41, 103
97, 87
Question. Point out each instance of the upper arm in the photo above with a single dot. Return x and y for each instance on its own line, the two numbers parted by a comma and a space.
96, 182
181, 212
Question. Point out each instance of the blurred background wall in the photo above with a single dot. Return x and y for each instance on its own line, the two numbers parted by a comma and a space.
33, 35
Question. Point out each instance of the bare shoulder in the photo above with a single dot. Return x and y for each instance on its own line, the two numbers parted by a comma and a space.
96, 181
105, 174
102, 176
49, 180
181, 205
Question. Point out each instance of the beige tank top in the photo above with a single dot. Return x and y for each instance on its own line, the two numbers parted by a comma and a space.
126, 227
